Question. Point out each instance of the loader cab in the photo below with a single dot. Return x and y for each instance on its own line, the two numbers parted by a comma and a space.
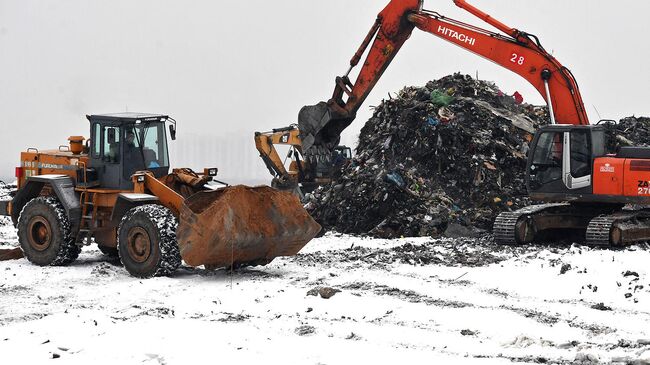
124, 143
561, 159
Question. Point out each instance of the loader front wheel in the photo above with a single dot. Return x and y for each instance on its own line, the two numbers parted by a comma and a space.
44, 233
147, 241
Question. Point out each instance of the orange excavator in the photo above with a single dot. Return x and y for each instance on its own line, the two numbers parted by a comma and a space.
584, 188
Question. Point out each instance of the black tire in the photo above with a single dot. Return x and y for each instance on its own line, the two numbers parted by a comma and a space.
146, 241
109, 251
44, 233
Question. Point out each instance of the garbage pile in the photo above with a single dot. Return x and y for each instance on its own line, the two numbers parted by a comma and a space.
630, 131
444, 158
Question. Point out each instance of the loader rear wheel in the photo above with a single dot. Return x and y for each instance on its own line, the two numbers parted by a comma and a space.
44, 233
147, 241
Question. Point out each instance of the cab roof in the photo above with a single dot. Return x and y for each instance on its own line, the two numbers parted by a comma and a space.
128, 117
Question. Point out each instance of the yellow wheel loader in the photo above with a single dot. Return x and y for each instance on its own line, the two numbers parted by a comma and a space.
117, 188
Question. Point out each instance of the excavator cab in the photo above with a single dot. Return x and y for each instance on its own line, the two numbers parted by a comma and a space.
561, 159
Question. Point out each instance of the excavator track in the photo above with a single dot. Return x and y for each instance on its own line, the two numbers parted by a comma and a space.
599, 230
505, 227
620, 228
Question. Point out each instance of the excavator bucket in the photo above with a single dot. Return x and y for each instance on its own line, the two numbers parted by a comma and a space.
242, 225
321, 125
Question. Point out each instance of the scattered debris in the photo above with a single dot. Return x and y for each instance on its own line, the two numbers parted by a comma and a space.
468, 333
103, 269
601, 307
327, 293
586, 359
467, 252
324, 292
565, 268
353, 336
631, 273
230, 317
568, 345
305, 330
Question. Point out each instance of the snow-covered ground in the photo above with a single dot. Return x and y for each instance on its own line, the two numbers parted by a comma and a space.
422, 300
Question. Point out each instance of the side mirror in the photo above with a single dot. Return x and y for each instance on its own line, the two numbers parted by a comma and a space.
172, 132
111, 135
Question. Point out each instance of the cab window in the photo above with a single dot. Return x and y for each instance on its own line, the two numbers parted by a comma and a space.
547, 160
155, 146
111, 138
580, 154
145, 148
96, 140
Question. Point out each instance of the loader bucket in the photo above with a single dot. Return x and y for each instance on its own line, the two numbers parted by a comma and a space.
242, 225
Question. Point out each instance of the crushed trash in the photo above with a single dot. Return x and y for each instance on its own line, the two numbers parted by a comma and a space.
444, 158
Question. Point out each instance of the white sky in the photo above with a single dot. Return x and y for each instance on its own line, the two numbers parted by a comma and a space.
227, 69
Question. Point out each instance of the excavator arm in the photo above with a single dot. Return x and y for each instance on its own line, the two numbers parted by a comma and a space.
265, 143
321, 124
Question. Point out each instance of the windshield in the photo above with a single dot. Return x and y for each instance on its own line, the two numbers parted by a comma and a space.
547, 160
145, 147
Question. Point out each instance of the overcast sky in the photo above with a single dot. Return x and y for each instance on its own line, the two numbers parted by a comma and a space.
225, 69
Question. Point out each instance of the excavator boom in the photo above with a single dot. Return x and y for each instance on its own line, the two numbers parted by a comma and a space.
520, 52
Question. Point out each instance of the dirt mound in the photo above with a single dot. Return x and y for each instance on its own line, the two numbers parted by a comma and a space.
451, 154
